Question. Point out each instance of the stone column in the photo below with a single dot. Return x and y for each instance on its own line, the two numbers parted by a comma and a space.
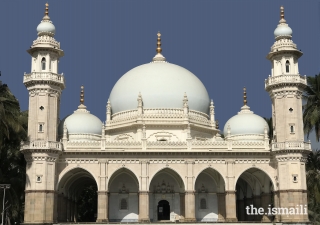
231, 215
221, 207
249, 202
190, 213
182, 208
103, 203
266, 204
64, 209
257, 205
68, 209
241, 210
144, 207
75, 218
71, 210
277, 217
59, 209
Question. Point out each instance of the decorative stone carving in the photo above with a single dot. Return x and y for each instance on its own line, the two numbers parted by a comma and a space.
164, 188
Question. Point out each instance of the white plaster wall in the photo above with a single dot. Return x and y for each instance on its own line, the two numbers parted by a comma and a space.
210, 214
118, 215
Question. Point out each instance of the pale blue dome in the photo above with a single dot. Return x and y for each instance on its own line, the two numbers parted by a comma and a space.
283, 30
46, 26
162, 85
245, 122
81, 122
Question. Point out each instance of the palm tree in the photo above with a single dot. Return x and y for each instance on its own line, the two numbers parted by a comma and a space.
13, 126
9, 113
313, 186
311, 114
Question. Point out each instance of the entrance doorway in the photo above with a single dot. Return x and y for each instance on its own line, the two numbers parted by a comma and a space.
163, 210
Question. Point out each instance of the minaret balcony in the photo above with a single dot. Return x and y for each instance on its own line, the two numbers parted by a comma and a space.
42, 145
285, 79
291, 145
40, 77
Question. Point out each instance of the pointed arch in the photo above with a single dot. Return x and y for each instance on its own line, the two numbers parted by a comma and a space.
63, 176
43, 63
254, 169
123, 170
172, 173
214, 174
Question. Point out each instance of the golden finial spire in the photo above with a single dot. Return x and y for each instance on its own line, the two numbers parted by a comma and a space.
244, 96
159, 49
46, 12
82, 95
281, 12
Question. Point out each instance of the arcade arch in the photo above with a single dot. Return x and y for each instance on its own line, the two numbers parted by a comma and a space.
123, 189
208, 185
253, 188
71, 198
166, 196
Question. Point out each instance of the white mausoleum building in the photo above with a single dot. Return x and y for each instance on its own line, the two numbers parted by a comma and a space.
159, 155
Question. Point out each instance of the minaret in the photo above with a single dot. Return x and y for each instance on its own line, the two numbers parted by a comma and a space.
285, 87
41, 153
44, 83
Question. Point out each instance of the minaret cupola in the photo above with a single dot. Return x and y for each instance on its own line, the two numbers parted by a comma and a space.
46, 27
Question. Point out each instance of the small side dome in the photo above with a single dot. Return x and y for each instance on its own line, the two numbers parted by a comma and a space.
81, 125
246, 122
246, 125
81, 122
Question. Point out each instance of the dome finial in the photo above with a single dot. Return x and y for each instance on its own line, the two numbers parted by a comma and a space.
82, 95
244, 96
159, 57
281, 12
46, 12
159, 49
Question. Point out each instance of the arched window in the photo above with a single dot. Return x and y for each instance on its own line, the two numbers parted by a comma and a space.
43, 63
287, 66
40, 128
123, 204
203, 203
291, 129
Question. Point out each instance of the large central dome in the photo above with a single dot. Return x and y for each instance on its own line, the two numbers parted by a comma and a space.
162, 85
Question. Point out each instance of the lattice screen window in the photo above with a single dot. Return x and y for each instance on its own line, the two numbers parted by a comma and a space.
203, 203
123, 204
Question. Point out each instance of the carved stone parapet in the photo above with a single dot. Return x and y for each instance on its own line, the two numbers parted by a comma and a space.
291, 145
292, 79
44, 77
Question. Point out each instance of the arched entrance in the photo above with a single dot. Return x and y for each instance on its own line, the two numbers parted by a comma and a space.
166, 196
163, 210
77, 197
254, 190
123, 189
209, 190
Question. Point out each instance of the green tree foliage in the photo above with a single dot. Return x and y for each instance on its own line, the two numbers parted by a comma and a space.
87, 204
13, 130
311, 113
313, 186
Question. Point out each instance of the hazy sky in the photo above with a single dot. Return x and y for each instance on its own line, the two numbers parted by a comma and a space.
224, 43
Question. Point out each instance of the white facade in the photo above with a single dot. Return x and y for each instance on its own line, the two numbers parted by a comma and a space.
160, 156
